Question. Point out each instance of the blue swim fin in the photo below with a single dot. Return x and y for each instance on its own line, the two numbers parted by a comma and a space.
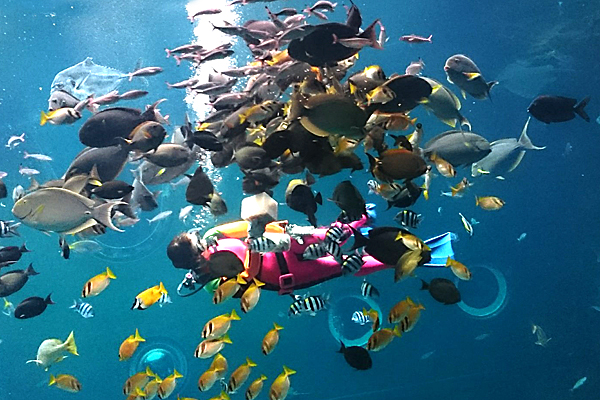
441, 249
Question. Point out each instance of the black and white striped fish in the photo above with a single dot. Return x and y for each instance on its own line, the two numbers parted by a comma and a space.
261, 244
360, 318
334, 250
314, 251
368, 290
9, 229
82, 308
352, 264
297, 306
336, 234
164, 299
408, 218
312, 304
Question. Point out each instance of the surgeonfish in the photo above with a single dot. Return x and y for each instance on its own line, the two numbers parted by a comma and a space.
149, 297
271, 339
96, 285
130, 345
51, 351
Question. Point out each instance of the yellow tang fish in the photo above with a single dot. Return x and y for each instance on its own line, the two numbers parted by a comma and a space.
51, 351
240, 375
167, 386
271, 339
138, 380
255, 388
208, 379
459, 269
380, 339
411, 319
65, 382
209, 347
400, 310
251, 296
149, 296
151, 388
489, 203
226, 291
219, 363
218, 326
97, 284
130, 345
281, 385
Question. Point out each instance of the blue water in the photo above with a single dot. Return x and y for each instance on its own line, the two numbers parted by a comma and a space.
552, 275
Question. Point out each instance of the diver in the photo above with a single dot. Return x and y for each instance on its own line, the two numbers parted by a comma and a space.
221, 253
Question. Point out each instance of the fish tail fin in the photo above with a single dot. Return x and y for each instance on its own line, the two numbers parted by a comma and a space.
524, 140
429, 38
110, 274
137, 336
52, 380
177, 60
74, 304
70, 345
490, 85
102, 214
335, 38
579, 109
48, 300
30, 271
43, 118
288, 371
359, 239
312, 219
424, 285
464, 121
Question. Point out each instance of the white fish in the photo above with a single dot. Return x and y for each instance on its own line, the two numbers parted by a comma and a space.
440, 210
9, 308
542, 339
579, 383
185, 212
39, 157
483, 336
17, 193
28, 171
160, 216
522, 236
474, 221
427, 355
3, 174
14, 141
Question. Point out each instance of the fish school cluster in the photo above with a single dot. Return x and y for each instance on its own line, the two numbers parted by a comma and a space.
297, 108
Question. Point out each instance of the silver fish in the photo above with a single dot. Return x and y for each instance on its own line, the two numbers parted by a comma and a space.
185, 212
14, 141
39, 157
458, 147
28, 171
579, 383
542, 339
505, 155
86, 78
160, 216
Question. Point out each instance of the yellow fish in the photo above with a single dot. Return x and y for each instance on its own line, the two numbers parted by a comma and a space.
65, 115
226, 291
400, 310
489, 203
151, 388
459, 269
443, 166
460, 188
219, 363
408, 262
97, 284
208, 378
251, 296
281, 385
373, 316
221, 396
411, 319
411, 241
209, 347
51, 351
255, 388
271, 339
240, 376
138, 380
218, 326
65, 382
149, 296
167, 386
139, 394
130, 345
380, 339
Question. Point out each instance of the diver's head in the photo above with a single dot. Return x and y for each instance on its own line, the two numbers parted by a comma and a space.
184, 251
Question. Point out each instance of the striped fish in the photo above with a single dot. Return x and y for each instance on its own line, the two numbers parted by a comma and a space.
164, 299
360, 318
9, 229
368, 290
335, 250
408, 218
261, 244
82, 308
297, 307
314, 251
352, 264
312, 304
336, 234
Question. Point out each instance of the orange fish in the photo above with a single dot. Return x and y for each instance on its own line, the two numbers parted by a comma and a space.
130, 345
97, 284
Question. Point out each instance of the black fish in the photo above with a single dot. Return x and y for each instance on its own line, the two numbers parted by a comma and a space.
368, 290
101, 129
32, 307
109, 162
383, 246
357, 357
251, 156
3, 190
442, 290
557, 109
11, 254
410, 90
407, 196
299, 197
206, 140
200, 188
113, 190
465, 74
13, 281
347, 197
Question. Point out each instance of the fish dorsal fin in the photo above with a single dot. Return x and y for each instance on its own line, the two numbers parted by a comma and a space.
76, 183
34, 185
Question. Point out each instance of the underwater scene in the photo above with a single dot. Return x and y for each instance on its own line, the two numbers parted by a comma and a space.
305, 200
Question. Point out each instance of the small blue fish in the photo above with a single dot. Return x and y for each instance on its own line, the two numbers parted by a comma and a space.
84, 309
